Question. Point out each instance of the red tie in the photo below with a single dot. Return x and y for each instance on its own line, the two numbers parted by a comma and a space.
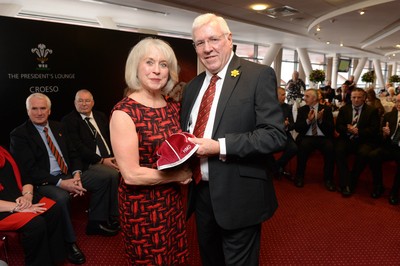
57, 155
202, 119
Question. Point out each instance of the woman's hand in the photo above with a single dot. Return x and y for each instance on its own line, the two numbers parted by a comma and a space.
24, 202
182, 174
35, 208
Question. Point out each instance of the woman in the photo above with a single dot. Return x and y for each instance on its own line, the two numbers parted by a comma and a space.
37, 219
374, 101
150, 204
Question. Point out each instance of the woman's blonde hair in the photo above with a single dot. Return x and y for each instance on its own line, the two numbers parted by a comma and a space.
140, 50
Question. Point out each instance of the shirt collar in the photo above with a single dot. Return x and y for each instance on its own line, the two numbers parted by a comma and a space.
84, 116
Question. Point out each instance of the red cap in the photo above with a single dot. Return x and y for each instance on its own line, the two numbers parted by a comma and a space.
175, 150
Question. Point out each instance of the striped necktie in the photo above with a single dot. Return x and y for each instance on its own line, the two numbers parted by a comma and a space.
314, 123
202, 119
99, 141
57, 155
356, 116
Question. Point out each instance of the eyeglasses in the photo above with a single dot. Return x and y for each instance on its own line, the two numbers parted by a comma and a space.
83, 101
214, 40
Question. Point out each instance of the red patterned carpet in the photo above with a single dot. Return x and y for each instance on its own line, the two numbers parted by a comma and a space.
312, 226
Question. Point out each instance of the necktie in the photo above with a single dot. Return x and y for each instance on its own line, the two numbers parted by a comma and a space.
314, 124
99, 141
396, 136
57, 155
355, 118
202, 119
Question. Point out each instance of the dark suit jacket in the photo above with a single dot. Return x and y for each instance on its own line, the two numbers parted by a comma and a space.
82, 138
288, 113
326, 126
30, 153
250, 119
390, 117
368, 123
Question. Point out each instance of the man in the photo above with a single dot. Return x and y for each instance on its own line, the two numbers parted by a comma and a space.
315, 126
390, 150
358, 127
295, 87
290, 149
344, 96
236, 137
43, 151
89, 132
327, 92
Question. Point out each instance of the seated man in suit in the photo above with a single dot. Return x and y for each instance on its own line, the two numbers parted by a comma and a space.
43, 150
358, 127
315, 126
390, 150
89, 132
290, 149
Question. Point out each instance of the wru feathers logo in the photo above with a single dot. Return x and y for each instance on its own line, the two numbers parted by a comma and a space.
41, 51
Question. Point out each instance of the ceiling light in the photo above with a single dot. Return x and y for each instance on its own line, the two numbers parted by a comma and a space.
258, 7
393, 54
318, 28
362, 12
398, 45
328, 42
341, 44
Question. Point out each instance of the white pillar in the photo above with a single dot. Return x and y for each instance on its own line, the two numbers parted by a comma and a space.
335, 62
272, 51
305, 62
359, 68
395, 66
378, 73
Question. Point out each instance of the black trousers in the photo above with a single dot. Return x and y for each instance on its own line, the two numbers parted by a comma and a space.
288, 153
42, 239
218, 247
306, 146
377, 157
361, 151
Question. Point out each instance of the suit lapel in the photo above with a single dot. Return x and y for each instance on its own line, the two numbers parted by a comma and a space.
191, 92
227, 88
393, 122
32, 131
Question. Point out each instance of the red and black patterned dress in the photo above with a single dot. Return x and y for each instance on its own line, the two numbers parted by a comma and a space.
152, 217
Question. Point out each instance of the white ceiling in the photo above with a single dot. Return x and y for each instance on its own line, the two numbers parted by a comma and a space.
373, 35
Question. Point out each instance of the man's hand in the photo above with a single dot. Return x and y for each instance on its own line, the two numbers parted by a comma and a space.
320, 115
207, 147
311, 115
111, 163
386, 130
352, 129
73, 186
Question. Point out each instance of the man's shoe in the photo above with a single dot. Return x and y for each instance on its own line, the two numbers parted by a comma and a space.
330, 185
287, 175
114, 224
346, 192
393, 200
74, 254
377, 193
101, 229
299, 182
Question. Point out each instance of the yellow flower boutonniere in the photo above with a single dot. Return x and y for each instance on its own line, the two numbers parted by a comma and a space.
235, 73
